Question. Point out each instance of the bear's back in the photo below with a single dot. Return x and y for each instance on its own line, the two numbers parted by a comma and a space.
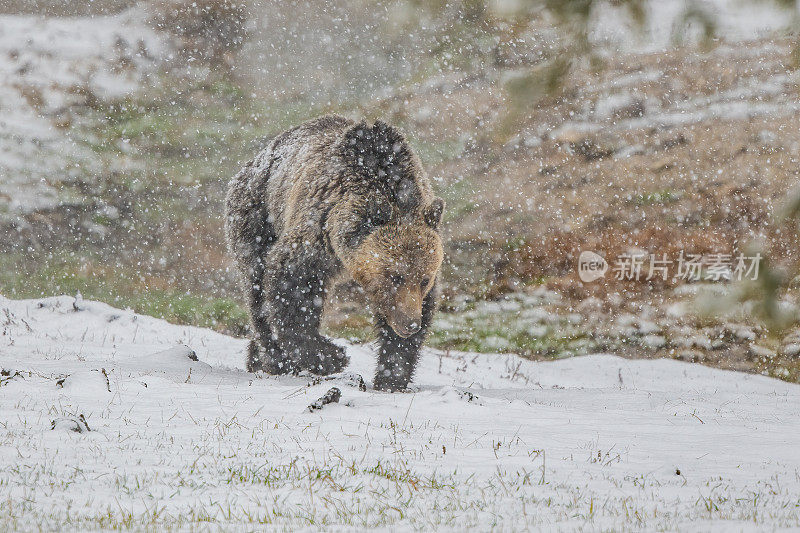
300, 162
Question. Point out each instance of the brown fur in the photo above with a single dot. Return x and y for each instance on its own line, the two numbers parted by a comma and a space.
327, 197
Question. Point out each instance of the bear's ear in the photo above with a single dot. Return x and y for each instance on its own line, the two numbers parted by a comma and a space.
378, 212
433, 214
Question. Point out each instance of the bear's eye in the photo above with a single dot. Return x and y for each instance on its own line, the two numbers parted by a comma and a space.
397, 280
424, 283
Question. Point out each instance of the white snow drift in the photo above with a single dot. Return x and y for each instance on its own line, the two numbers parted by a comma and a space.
106, 422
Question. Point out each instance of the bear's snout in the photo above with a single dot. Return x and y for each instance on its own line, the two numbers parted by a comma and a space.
406, 327
405, 314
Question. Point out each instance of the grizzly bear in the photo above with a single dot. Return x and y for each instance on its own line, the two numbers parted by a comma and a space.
327, 198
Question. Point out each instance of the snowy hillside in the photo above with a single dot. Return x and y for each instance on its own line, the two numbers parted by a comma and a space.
485, 440
49, 69
735, 20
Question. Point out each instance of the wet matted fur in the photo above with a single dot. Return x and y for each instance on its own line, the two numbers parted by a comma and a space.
332, 197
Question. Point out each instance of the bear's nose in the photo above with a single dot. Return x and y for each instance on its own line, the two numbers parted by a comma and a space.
412, 327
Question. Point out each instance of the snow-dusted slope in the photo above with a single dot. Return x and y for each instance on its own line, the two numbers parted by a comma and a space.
735, 20
47, 66
486, 440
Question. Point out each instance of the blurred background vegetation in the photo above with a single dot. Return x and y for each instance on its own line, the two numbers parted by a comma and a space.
550, 127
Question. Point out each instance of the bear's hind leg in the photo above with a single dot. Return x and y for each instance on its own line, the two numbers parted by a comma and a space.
265, 354
254, 362
250, 236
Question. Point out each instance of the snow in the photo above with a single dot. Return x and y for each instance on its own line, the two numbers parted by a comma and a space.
48, 65
483, 440
753, 96
735, 20
112, 420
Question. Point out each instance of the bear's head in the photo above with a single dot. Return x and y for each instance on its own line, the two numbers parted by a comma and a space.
395, 259
385, 231
397, 264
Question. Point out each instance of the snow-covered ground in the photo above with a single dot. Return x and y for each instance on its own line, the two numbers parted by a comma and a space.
485, 440
49, 65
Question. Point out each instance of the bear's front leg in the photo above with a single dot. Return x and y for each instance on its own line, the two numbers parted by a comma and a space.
397, 356
294, 296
